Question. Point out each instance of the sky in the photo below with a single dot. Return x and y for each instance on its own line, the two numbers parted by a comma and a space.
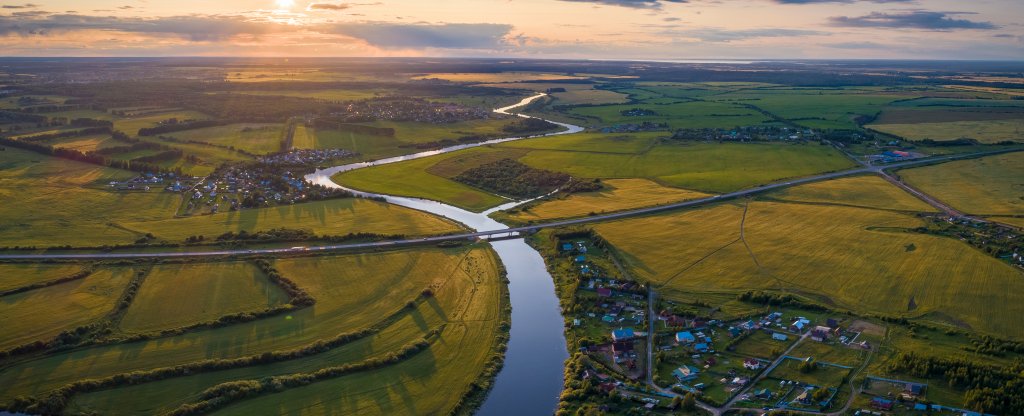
587, 29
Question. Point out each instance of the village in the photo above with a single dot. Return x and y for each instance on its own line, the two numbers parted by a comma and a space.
409, 109
783, 358
235, 187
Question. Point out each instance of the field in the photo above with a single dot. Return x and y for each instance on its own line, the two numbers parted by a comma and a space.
823, 376
65, 202
709, 168
41, 314
991, 131
620, 194
992, 185
131, 125
802, 249
322, 94
407, 136
353, 292
15, 275
252, 137
676, 115
859, 191
591, 96
178, 294
495, 76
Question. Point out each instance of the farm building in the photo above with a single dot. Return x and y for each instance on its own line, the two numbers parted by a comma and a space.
779, 337
751, 364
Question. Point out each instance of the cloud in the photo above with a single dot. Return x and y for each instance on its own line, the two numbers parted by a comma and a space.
854, 45
635, 4
20, 6
328, 6
194, 28
841, 1
726, 35
446, 35
911, 19
671, 19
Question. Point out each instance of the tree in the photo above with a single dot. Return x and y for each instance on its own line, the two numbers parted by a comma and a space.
690, 402
676, 402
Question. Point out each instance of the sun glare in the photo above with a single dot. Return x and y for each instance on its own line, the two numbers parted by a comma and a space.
284, 4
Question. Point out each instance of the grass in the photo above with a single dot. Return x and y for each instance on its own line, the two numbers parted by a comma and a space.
814, 108
992, 185
15, 275
678, 116
823, 376
179, 294
511, 76
86, 143
620, 194
412, 178
591, 96
830, 254
468, 305
835, 354
257, 138
41, 314
131, 126
324, 94
352, 291
985, 131
705, 167
861, 191
407, 136
65, 202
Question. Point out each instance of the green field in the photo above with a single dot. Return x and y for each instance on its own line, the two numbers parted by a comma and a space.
41, 314
823, 376
992, 185
989, 131
66, 202
257, 138
353, 292
178, 294
618, 195
15, 275
859, 191
683, 115
705, 167
407, 136
803, 249
131, 125
814, 108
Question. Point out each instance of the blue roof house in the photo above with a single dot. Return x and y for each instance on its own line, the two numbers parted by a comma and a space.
685, 337
702, 347
622, 334
685, 373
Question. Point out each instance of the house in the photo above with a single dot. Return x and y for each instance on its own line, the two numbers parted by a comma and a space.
581, 258
608, 319
882, 404
685, 337
685, 373
779, 337
622, 334
820, 333
799, 324
701, 347
567, 247
831, 323
913, 389
622, 347
734, 331
751, 364
763, 394
921, 407
604, 292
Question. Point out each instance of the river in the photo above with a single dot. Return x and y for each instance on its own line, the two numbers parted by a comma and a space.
531, 379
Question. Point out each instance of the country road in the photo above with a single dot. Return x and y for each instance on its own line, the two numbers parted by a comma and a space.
511, 232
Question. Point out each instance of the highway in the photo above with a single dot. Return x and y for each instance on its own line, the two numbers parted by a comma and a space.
514, 231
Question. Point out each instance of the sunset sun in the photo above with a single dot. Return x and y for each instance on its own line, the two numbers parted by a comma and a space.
284, 4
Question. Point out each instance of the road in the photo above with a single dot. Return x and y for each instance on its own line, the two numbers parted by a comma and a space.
510, 232
767, 370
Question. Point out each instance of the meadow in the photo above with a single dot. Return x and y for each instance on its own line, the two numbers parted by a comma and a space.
257, 138
804, 250
866, 191
989, 131
41, 314
15, 275
66, 202
992, 185
703, 167
618, 195
177, 294
131, 125
678, 115
408, 135
353, 292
